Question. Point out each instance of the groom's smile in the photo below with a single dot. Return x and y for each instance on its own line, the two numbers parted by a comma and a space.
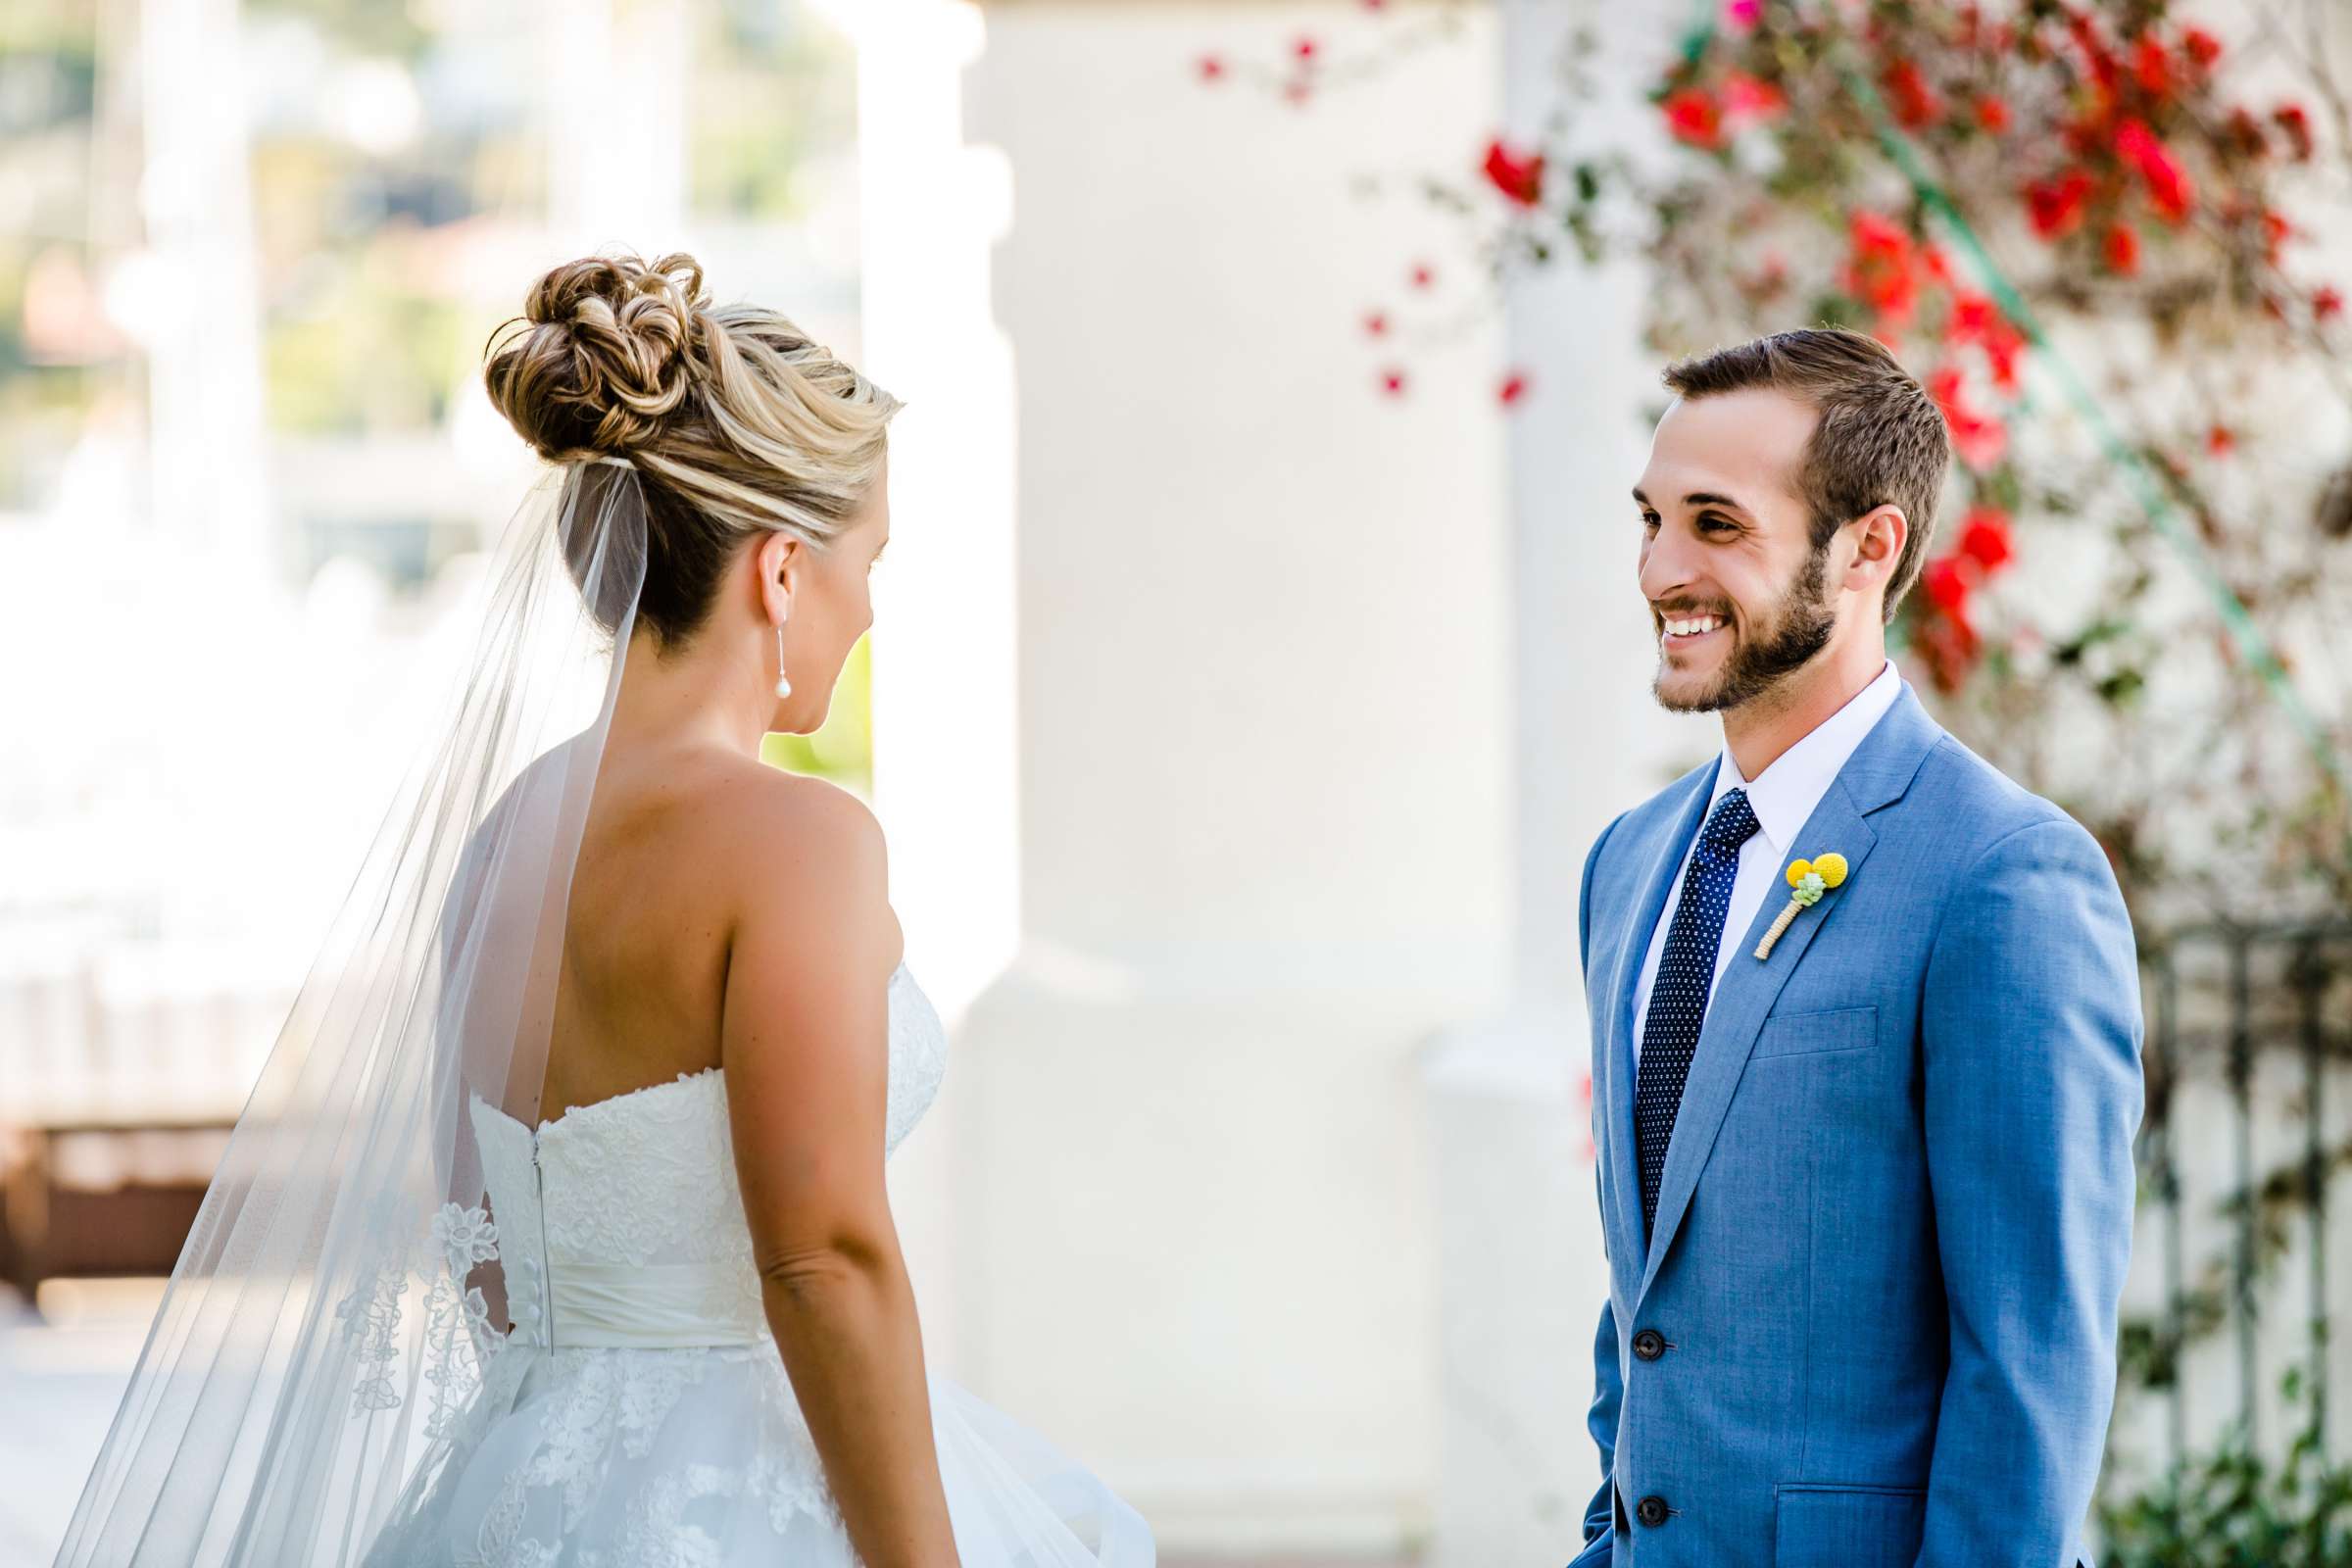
1684, 630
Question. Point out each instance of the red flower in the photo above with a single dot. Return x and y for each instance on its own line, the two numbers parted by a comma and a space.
2095, 54
2167, 181
2325, 301
2056, 205
1518, 175
2246, 133
1513, 388
2293, 119
1950, 646
1986, 539
1907, 92
1947, 583
2202, 46
1975, 319
2221, 441
1978, 438
2003, 344
1748, 99
1693, 116
1879, 268
2153, 63
1376, 325
1993, 112
1970, 316
1305, 48
1211, 69
1423, 275
1391, 382
2122, 250
1931, 262
2276, 231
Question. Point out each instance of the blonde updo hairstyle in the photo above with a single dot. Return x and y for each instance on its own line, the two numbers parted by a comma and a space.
734, 420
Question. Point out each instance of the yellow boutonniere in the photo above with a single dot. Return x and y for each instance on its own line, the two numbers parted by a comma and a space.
1807, 881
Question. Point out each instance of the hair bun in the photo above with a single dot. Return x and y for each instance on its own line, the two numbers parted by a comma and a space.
608, 351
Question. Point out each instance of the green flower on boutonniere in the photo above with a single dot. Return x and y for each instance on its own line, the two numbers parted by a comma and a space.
1808, 880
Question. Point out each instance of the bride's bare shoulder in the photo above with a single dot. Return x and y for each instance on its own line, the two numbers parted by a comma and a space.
801, 849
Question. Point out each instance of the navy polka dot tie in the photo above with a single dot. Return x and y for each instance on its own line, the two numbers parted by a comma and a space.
1678, 998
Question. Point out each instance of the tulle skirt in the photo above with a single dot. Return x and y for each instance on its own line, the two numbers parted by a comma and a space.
593, 1457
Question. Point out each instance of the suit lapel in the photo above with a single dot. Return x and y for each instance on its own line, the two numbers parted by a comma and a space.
1877, 773
1657, 868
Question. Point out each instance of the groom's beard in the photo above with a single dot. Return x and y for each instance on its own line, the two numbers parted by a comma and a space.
1800, 627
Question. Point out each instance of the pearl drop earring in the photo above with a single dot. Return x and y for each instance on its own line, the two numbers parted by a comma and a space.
783, 681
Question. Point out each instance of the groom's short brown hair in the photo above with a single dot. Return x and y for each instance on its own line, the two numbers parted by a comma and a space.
1880, 437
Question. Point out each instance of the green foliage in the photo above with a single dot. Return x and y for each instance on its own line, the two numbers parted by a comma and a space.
2234, 1509
843, 749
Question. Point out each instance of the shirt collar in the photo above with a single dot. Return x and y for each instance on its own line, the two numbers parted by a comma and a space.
1785, 792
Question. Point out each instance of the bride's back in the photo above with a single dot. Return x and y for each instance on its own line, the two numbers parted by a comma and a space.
640, 994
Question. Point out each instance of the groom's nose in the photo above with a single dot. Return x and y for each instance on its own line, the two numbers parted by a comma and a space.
1667, 568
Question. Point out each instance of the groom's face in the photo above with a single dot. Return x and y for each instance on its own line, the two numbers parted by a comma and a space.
1738, 597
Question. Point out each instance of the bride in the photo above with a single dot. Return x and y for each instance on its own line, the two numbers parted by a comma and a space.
556, 1231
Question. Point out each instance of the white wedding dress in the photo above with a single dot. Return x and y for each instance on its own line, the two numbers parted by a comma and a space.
639, 1415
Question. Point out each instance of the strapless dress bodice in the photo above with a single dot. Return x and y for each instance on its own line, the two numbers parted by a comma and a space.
620, 1223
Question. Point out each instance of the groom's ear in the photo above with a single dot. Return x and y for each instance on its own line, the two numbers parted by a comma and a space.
1879, 537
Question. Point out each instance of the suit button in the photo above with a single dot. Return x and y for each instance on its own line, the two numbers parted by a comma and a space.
1650, 1510
1649, 1344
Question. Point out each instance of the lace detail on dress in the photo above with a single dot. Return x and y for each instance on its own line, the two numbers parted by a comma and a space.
370, 1317
458, 1339
918, 1055
629, 1179
454, 1362
657, 1534
501, 1542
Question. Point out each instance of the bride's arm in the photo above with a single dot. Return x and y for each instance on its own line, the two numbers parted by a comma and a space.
806, 1048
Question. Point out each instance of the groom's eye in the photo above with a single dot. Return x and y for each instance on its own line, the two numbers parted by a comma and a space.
1709, 522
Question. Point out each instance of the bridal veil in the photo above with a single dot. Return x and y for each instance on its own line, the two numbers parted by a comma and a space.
333, 1308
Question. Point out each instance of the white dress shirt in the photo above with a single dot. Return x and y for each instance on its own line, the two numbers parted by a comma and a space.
1782, 796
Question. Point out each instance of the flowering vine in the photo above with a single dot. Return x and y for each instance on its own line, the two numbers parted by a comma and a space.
2031, 201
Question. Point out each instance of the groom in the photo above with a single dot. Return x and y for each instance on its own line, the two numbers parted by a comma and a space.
1866, 1184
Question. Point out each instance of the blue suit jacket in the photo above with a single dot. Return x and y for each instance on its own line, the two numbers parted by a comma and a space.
1873, 1324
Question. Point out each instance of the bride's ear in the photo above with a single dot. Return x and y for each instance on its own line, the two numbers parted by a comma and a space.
779, 561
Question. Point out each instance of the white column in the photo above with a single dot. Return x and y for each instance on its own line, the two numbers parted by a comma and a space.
1523, 1272
930, 207
1257, 728
191, 296
946, 598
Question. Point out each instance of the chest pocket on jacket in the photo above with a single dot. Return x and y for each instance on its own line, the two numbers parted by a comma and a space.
1798, 1034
